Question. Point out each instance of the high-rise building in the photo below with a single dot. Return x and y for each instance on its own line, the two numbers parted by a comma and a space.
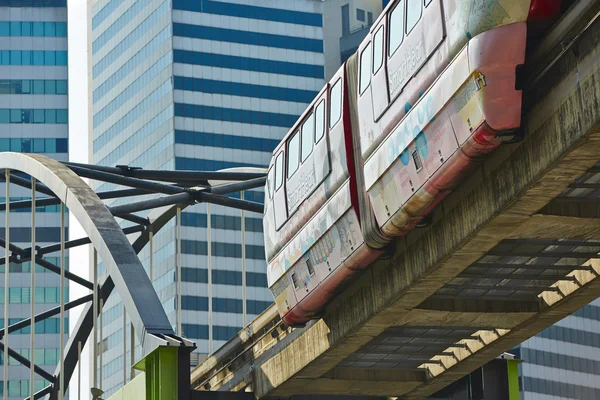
199, 85
563, 361
33, 119
346, 23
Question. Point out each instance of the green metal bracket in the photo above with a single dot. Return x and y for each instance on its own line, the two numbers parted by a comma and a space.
161, 371
513, 379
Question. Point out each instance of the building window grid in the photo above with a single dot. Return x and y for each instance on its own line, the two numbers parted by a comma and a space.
33, 86
33, 116
33, 28
128, 40
131, 64
34, 145
248, 37
223, 277
33, 57
118, 24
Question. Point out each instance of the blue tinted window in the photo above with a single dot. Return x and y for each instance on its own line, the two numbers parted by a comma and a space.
49, 29
26, 57
234, 115
15, 29
247, 37
27, 29
244, 89
226, 141
27, 116
195, 164
50, 58
38, 29
61, 87
105, 12
117, 25
61, 58
248, 64
247, 11
15, 57
61, 29
4, 28
38, 57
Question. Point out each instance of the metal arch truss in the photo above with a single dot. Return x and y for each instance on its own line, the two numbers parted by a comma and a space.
61, 184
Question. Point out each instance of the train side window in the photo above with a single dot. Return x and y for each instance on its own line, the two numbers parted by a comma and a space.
335, 103
308, 136
413, 14
396, 27
279, 171
365, 71
427, 2
293, 154
378, 50
271, 181
320, 121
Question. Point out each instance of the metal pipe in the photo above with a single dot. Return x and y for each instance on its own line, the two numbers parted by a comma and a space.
170, 176
126, 181
135, 219
101, 339
239, 186
78, 370
184, 197
53, 201
32, 290
6, 282
94, 319
26, 183
61, 389
230, 202
150, 237
124, 347
8, 352
178, 267
46, 314
243, 226
209, 282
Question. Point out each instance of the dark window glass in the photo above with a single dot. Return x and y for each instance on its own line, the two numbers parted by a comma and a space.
38, 29
38, 86
15, 28
50, 87
360, 15
26, 29
61, 87
271, 181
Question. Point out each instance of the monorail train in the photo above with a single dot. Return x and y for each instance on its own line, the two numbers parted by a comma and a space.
429, 93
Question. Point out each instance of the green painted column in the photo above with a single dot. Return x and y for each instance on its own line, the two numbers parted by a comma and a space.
160, 368
513, 379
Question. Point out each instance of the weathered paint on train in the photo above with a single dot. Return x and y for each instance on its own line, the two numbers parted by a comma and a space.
383, 153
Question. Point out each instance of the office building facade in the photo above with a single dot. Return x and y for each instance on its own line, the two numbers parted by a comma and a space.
198, 85
33, 119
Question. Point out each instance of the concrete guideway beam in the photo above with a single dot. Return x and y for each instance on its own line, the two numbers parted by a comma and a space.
501, 200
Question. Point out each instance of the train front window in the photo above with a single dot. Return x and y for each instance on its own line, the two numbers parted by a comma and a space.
320, 121
308, 136
396, 27
271, 181
335, 103
279, 171
413, 14
365, 71
378, 50
293, 154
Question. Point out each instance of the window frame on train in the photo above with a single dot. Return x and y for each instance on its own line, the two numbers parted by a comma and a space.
279, 163
416, 21
339, 102
391, 29
271, 182
291, 172
364, 65
321, 107
310, 119
380, 34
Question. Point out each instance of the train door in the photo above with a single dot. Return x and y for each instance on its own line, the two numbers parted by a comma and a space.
415, 30
279, 200
379, 82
